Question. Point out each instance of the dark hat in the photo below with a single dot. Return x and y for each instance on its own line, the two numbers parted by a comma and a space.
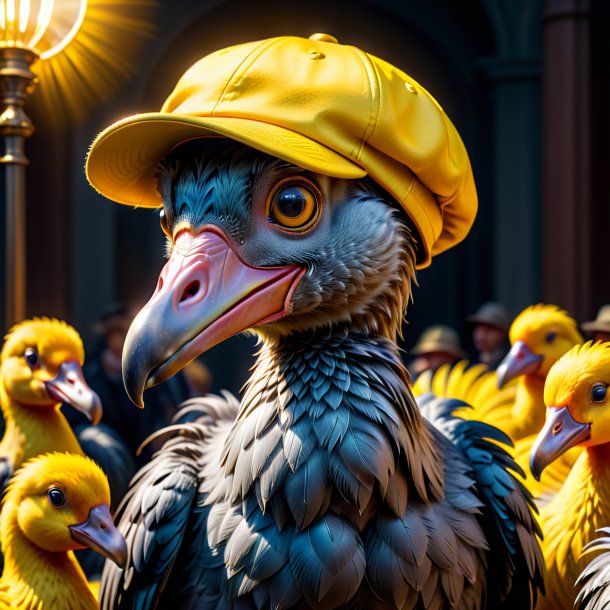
493, 314
601, 324
439, 338
115, 317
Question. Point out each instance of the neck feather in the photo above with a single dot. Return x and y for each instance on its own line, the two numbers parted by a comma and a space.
339, 400
37, 579
529, 409
32, 430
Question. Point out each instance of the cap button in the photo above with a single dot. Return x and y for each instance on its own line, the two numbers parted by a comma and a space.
323, 38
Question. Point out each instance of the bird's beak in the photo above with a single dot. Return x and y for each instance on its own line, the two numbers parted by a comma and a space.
99, 533
70, 386
519, 361
560, 433
205, 295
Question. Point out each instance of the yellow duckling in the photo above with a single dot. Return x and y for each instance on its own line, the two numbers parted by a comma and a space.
55, 503
539, 336
578, 414
40, 367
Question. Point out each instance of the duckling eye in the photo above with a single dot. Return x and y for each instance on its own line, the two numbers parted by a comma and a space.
598, 392
56, 497
550, 337
294, 206
164, 222
32, 357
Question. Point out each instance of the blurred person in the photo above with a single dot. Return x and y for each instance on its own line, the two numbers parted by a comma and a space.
599, 329
437, 345
490, 325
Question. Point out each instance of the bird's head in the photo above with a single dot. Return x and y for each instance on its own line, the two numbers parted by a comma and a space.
258, 243
293, 236
60, 502
578, 404
539, 336
41, 365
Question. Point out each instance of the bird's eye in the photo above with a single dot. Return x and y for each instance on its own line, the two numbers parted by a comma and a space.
550, 337
164, 222
598, 392
32, 357
56, 497
294, 205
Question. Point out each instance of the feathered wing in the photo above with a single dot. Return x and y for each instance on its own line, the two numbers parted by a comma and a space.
432, 555
404, 543
516, 564
595, 578
164, 508
331, 491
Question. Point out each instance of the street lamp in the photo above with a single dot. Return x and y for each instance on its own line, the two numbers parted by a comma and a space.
29, 30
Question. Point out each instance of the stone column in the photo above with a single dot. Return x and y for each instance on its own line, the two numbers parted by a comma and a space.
515, 84
566, 175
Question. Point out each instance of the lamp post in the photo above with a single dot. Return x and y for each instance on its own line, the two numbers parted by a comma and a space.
29, 30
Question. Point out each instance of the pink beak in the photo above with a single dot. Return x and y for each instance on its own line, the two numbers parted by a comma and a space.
205, 295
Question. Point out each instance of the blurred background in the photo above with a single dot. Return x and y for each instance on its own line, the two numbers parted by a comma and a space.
526, 82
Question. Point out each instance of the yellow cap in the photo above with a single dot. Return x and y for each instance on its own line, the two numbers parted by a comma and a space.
326, 107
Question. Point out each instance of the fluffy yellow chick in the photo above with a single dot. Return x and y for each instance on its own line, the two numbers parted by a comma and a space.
40, 367
55, 504
578, 415
539, 336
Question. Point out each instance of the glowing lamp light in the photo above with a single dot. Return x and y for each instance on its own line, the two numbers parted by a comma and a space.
29, 30
45, 27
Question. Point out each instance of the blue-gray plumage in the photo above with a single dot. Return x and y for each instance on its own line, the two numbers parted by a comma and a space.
326, 486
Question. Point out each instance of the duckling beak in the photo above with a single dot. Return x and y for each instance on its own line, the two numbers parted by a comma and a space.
70, 386
519, 361
205, 295
560, 432
99, 533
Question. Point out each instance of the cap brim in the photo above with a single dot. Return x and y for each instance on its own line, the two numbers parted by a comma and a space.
123, 160
430, 348
477, 320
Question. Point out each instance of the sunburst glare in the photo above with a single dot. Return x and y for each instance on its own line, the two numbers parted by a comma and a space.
101, 56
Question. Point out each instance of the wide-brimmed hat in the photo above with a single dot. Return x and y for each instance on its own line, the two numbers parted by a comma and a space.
324, 106
493, 314
438, 339
601, 324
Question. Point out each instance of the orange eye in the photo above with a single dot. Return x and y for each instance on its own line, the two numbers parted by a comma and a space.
294, 206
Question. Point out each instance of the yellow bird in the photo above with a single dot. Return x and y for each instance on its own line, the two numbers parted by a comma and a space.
578, 415
55, 503
539, 336
40, 367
